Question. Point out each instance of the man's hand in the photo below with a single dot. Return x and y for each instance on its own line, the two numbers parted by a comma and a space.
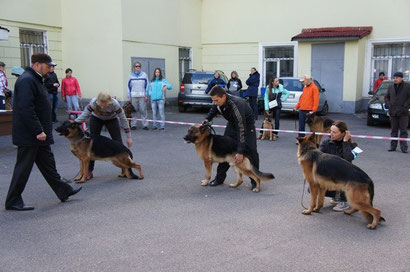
146, 99
129, 142
41, 137
56, 85
238, 158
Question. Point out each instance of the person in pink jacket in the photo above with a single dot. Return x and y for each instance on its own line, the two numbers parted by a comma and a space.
70, 91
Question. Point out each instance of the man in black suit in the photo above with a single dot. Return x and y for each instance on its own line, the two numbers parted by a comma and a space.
33, 135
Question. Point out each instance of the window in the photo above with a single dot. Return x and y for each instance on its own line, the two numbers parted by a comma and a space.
185, 62
278, 62
31, 42
390, 58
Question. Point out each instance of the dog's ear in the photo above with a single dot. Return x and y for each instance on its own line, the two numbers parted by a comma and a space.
312, 138
300, 139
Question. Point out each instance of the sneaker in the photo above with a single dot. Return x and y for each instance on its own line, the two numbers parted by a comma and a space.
133, 128
154, 128
341, 206
334, 201
162, 129
145, 128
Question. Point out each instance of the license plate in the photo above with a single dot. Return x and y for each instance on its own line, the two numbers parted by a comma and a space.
291, 96
197, 92
375, 116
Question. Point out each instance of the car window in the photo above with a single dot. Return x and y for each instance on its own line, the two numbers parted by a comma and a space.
292, 85
197, 78
382, 90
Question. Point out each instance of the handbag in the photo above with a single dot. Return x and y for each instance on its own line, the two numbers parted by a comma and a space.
273, 104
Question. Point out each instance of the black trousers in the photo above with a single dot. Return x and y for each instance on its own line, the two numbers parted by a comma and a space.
399, 123
113, 127
44, 159
251, 150
253, 103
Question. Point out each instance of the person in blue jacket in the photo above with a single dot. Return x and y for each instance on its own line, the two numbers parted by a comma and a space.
275, 91
217, 80
252, 91
157, 88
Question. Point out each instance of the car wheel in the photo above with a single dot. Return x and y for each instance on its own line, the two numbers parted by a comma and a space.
325, 109
370, 121
182, 108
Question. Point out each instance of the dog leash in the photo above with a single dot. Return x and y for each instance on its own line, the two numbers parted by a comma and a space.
70, 180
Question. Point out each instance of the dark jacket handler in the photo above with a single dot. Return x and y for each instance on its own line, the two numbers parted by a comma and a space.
397, 100
32, 133
51, 82
241, 127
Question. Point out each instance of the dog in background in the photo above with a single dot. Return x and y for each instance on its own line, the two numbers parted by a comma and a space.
267, 134
318, 124
330, 172
217, 148
8, 100
128, 110
87, 149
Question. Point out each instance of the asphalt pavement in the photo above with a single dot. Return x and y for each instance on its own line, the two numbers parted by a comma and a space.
168, 222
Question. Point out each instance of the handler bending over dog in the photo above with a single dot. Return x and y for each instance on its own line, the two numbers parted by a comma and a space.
104, 111
241, 127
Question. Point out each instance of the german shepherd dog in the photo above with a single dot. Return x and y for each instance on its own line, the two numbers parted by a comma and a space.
87, 149
318, 124
330, 172
217, 148
267, 134
128, 110
8, 100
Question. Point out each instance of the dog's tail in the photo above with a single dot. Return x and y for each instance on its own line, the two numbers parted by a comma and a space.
261, 175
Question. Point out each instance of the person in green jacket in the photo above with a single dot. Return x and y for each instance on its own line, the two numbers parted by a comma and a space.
157, 88
275, 91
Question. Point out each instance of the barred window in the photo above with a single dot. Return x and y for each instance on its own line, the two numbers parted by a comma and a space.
184, 62
31, 42
277, 62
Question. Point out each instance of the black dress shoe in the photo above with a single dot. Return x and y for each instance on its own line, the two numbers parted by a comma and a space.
19, 208
215, 183
391, 149
73, 192
404, 151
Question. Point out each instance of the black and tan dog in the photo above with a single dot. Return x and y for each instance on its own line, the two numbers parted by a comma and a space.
318, 124
128, 110
329, 172
97, 148
217, 148
267, 134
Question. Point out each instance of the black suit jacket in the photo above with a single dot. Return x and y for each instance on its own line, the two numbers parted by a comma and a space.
398, 104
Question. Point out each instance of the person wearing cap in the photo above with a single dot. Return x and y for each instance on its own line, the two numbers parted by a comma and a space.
17, 71
397, 100
70, 91
138, 84
51, 82
3, 86
32, 134
308, 101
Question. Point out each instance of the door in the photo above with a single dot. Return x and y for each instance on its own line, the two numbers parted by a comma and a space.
327, 68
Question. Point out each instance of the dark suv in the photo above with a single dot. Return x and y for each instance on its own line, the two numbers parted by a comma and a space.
376, 110
192, 90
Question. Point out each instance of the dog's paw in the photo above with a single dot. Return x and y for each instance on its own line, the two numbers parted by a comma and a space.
371, 226
204, 182
233, 185
141, 177
316, 210
306, 212
255, 190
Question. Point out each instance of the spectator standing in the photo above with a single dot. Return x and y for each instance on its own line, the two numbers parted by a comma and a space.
216, 81
157, 89
252, 91
379, 81
340, 144
70, 91
397, 100
51, 82
138, 94
17, 71
234, 85
275, 91
104, 110
33, 135
3, 86
308, 101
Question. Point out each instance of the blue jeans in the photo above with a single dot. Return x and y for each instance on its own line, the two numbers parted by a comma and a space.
54, 101
158, 105
276, 114
72, 104
302, 121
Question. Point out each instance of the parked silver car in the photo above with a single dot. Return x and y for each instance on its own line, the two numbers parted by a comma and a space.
192, 89
295, 87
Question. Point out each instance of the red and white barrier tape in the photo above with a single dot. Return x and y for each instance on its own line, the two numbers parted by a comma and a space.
263, 129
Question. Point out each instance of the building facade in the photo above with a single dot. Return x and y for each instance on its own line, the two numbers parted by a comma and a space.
342, 44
